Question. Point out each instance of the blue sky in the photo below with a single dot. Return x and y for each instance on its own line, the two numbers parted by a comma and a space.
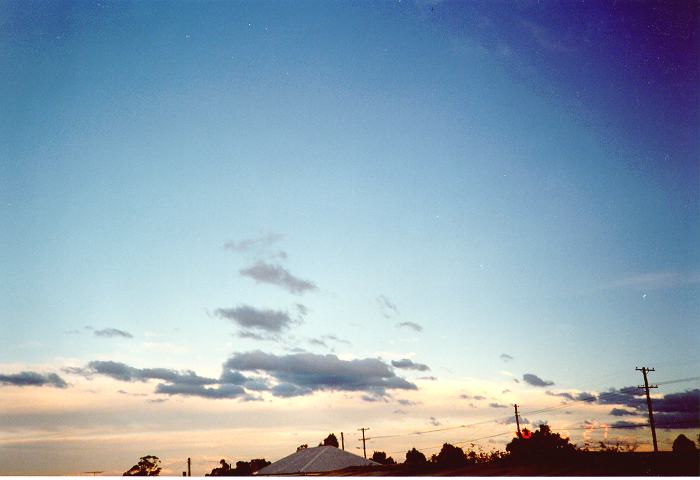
517, 178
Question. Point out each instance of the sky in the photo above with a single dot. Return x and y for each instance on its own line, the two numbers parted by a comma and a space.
230, 228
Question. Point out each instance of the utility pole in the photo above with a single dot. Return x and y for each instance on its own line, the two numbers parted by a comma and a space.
189, 467
342, 441
364, 447
646, 387
517, 419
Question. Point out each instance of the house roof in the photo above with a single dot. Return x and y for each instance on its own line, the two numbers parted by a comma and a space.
315, 460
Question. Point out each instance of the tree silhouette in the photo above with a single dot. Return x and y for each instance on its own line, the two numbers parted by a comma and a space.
414, 457
302, 447
380, 457
223, 471
148, 466
683, 444
540, 445
331, 441
450, 456
242, 468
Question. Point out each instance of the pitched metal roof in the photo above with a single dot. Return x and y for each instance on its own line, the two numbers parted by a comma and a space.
315, 460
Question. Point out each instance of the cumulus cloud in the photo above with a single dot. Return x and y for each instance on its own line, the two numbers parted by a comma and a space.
580, 396
386, 307
472, 397
249, 244
626, 424
434, 422
277, 275
112, 332
411, 325
308, 372
32, 379
511, 421
260, 319
408, 364
536, 381
506, 358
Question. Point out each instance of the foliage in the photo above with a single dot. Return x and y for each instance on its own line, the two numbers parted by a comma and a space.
148, 466
331, 441
618, 447
380, 457
450, 456
242, 468
414, 457
302, 447
683, 444
540, 445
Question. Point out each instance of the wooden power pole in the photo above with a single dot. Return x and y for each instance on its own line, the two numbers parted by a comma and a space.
342, 441
646, 387
189, 467
517, 419
364, 447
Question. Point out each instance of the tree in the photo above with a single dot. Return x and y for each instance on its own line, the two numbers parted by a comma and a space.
331, 441
683, 444
223, 471
450, 456
540, 445
302, 447
148, 466
380, 457
242, 469
414, 457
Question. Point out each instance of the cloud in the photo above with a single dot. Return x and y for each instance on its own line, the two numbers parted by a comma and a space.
308, 372
619, 412
536, 381
32, 379
125, 373
400, 412
626, 424
511, 421
412, 325
408, 364
336, 339
277, 275
498, 405
472, 397
566, 395
318, 343
248, 244
678, 410
112, 332
434, 422
220, 392
406, 403
387, 308
429, 377
259, 319
506, 358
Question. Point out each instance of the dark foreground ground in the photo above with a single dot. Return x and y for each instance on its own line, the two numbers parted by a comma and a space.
583, 464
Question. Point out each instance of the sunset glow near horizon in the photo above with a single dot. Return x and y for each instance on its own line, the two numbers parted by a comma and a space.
231, 228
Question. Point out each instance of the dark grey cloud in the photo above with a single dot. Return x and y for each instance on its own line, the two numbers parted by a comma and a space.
368, 397
32, 379
434, 422
620, 412
412, 325
536, 381
308, 372
565, 395
406, 403
252, 318
408, 364
112, 332
257, 336
678, 410
249, 244
626, 424
506, 358
125, 373
498, 405
220, 392
277, 275
386, 307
